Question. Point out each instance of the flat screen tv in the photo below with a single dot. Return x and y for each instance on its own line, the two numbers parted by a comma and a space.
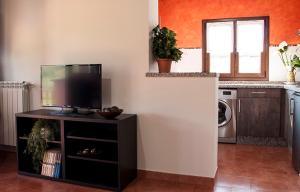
73, 86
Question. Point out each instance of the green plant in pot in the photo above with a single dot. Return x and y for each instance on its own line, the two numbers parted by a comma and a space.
42, 131
164, 48
290, 60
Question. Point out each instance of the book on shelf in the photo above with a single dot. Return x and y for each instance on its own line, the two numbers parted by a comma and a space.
51, 166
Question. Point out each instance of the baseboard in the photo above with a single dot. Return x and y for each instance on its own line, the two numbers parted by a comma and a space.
262, 141
7, 148
185, 179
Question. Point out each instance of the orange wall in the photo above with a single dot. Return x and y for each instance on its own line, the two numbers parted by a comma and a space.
185, 17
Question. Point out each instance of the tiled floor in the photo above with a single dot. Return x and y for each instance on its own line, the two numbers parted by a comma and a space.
255, 168
241, 168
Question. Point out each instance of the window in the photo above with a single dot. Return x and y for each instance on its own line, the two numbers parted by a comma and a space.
236, 48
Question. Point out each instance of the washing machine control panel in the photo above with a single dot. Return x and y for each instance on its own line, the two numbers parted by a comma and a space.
226, 92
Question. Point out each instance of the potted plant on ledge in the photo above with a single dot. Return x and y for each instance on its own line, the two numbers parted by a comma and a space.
290, 60
164, 48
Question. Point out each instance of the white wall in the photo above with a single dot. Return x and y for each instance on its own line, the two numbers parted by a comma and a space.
177, 119
277, 71
192, 62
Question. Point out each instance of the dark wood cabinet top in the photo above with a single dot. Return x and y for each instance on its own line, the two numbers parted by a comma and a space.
51, 114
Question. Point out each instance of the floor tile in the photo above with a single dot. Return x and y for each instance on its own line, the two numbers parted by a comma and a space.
241, 168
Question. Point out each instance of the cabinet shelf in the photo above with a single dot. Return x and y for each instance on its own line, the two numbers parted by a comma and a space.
39, 176
91, 184
92, 139
26, 138
112, 166
91, 159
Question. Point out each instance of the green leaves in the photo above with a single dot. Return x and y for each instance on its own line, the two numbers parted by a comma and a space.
296, 61
164, 44
42, 131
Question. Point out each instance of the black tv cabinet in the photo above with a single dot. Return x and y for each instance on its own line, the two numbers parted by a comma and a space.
114, 168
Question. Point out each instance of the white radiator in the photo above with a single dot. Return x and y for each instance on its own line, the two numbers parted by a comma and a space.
14, 98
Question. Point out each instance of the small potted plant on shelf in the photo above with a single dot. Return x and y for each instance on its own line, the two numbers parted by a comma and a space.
41, 132
164, 48
290, 60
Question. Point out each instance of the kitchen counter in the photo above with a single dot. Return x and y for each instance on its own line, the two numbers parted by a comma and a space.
251, 84
202, 74
258, 84
295, 88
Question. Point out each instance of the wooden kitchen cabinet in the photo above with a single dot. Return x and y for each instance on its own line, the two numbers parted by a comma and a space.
296, 133
289, 117
259, 112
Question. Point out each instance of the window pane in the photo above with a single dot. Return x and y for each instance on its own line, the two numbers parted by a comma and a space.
220, 46
220, 63
250, 38
220, 37
249, 63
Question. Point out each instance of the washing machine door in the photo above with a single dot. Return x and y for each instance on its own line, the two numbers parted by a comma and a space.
225, 113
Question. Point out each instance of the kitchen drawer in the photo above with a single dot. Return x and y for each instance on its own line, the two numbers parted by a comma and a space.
259, 93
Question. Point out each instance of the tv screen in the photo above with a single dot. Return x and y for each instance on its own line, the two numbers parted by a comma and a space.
71, 86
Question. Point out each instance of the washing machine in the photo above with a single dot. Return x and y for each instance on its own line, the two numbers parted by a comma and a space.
227, 115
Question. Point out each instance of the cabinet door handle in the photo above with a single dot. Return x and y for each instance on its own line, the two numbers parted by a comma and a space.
258, 92
239, 107
292, 100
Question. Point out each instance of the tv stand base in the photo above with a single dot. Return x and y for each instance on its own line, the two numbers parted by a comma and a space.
72, 111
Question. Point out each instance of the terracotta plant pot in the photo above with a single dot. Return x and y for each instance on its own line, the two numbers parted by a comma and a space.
164, 65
